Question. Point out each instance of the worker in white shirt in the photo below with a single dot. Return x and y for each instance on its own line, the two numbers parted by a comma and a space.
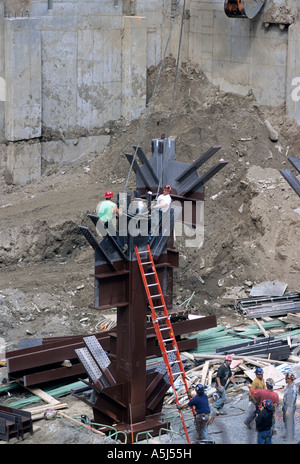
161, 207
164, 199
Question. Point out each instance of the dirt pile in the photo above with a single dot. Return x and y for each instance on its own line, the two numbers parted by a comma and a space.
251, 218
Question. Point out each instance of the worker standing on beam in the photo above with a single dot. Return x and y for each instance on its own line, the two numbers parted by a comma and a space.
257, 384
201, 405
107, 211
164, 200
161, 207
224, 374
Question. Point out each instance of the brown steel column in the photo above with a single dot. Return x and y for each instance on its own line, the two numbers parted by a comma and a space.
131, 348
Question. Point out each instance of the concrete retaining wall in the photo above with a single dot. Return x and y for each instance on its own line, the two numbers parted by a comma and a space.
67, 68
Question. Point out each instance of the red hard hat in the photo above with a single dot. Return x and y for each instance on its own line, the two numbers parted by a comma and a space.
108, 194
228, 357
167, 187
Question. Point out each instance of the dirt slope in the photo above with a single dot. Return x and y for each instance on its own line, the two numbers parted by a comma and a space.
251, 223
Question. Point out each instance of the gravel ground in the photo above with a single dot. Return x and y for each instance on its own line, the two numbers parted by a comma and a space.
229, 429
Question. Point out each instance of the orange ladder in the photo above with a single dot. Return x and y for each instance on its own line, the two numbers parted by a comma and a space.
162, 324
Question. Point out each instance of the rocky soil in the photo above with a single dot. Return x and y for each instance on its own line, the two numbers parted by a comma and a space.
251, 213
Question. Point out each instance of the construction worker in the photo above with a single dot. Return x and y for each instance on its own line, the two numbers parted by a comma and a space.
161, 207
106, 211
289, 406
265, 394
257, 384
224, 374
264, 422
262, 395
164, 200
201, 405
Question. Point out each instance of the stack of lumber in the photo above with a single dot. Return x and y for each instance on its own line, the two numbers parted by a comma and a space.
243, 370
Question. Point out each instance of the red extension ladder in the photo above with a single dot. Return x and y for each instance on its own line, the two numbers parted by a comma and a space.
162, 324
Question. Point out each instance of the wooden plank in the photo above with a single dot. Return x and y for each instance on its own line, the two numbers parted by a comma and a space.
261, 328
293, 318
246, 358
43, 395
204, 372
41, 409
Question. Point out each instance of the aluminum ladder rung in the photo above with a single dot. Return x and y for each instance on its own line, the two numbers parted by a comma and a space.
145, 262
156, 307
149, 273
155, 296
171, 351
151, 285
165, 340
180, 384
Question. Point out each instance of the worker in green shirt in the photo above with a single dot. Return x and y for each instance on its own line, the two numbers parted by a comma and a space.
224, 374
107, 211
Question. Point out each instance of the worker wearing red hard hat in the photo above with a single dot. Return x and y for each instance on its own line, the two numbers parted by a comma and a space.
108, 194
107, 208
106, 211
224, 374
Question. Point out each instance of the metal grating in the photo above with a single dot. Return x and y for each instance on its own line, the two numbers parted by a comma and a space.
97, 351
161, 368
89, 364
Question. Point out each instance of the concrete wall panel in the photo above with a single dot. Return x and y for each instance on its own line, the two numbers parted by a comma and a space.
23, 161
59, 80
23, 81
67, 71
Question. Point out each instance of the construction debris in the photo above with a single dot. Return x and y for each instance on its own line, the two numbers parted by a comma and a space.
243, 369
269, 288
202, 369
269, 306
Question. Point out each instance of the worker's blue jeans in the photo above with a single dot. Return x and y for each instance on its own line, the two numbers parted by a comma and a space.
201, 426
221, 401
264, 438
252, 411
